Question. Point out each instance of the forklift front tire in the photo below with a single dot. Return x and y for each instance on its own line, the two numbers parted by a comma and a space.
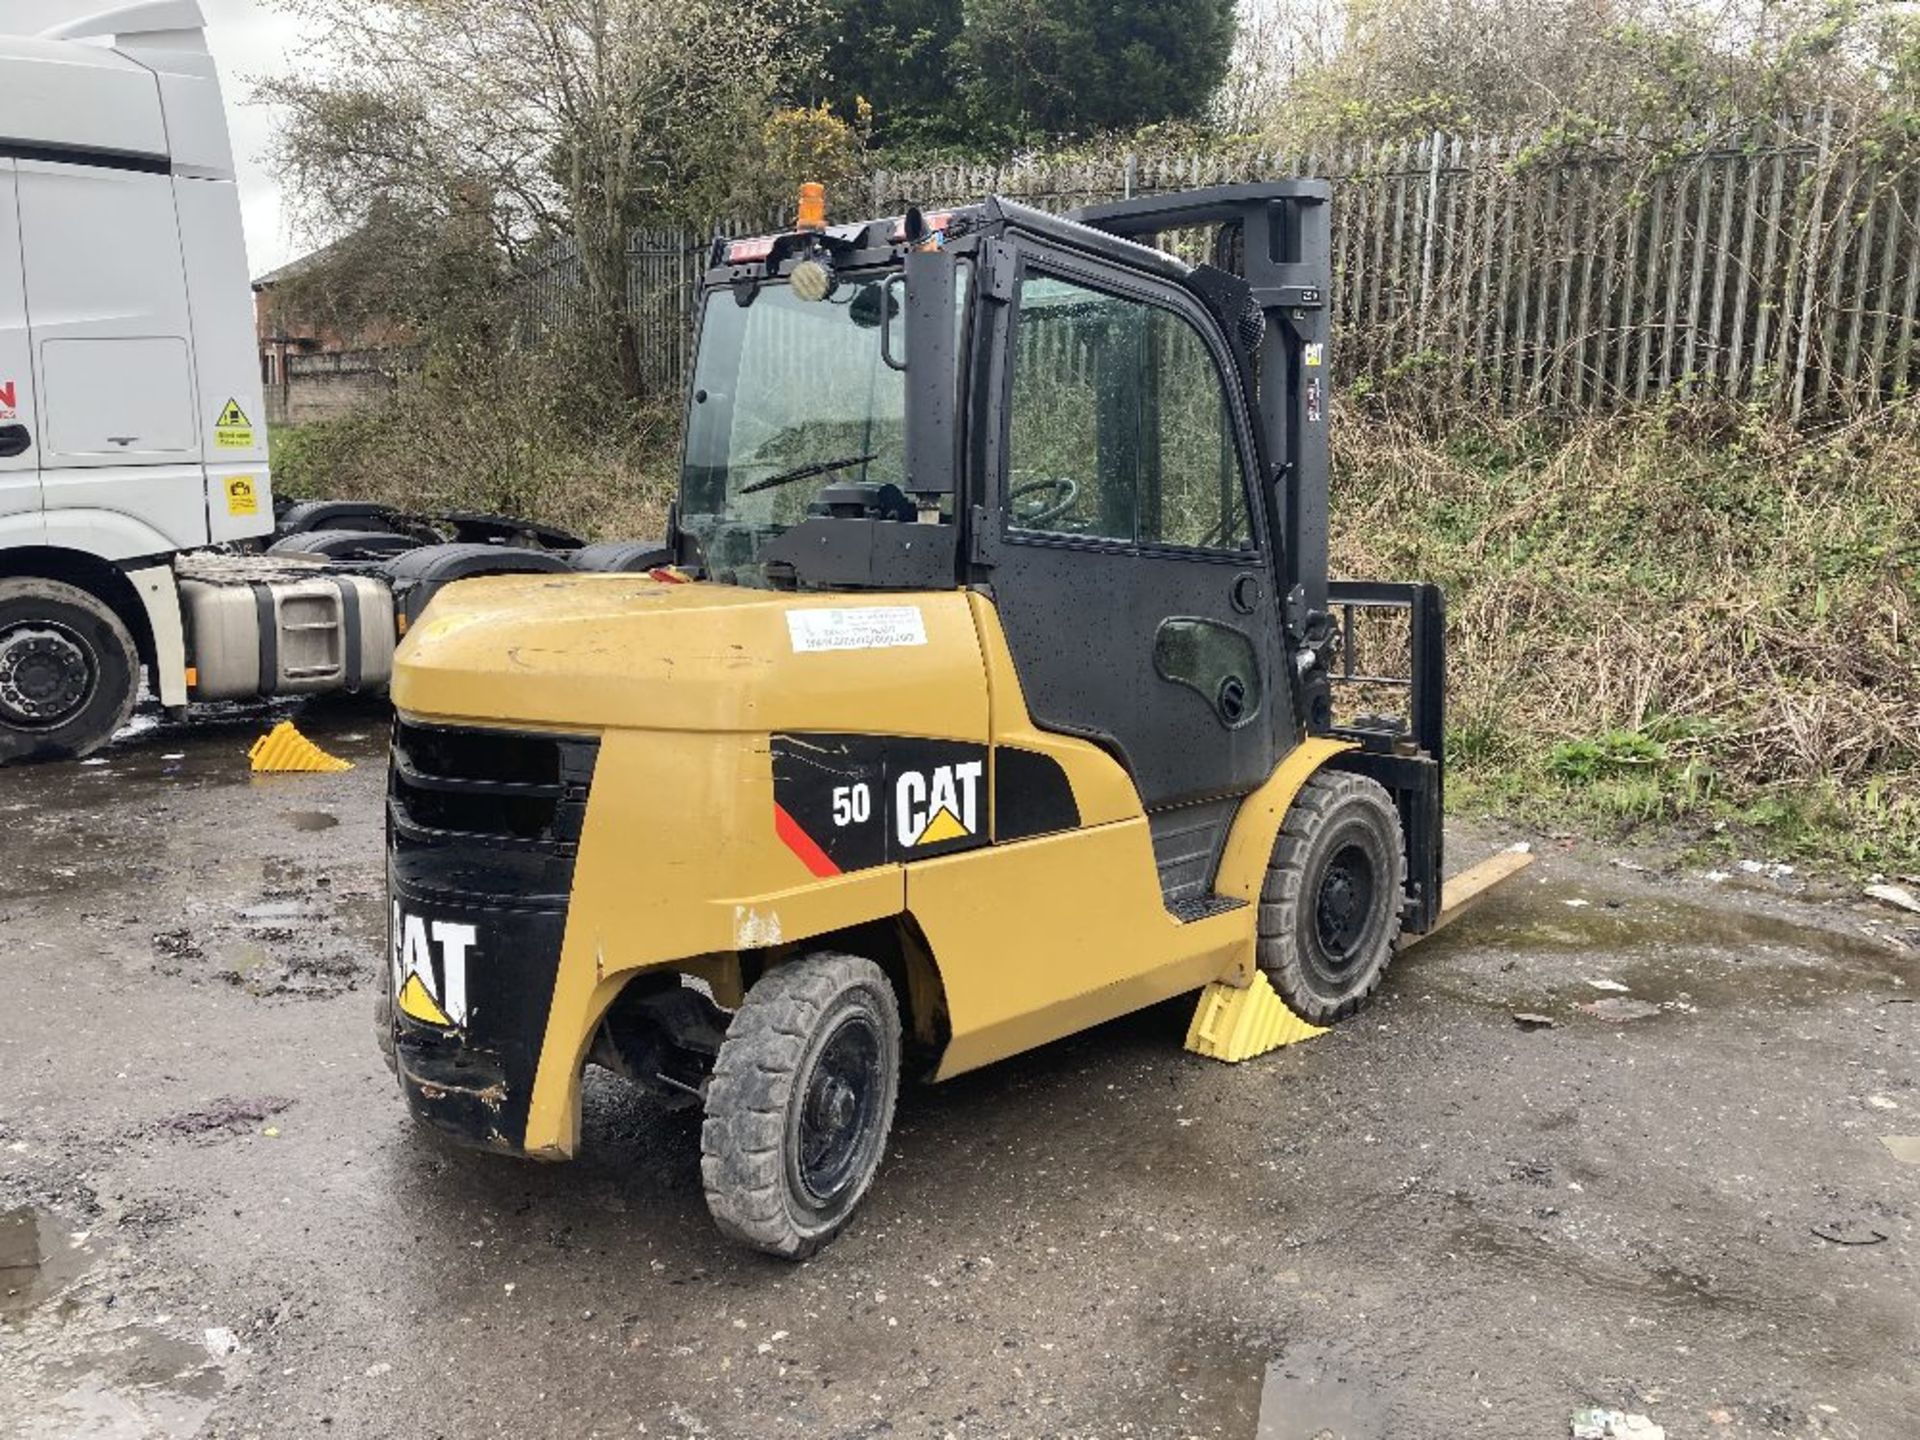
1330, 907
800, 1103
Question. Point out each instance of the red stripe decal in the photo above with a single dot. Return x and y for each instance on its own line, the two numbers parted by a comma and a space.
801, 843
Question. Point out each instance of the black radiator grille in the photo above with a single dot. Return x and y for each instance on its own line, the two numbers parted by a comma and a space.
487, 812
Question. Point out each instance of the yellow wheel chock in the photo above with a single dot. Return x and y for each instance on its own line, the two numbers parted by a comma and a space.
1236, 1023
285, 749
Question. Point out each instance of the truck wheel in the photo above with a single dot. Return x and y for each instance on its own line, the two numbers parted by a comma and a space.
68, 671
1330, 908
800, 1103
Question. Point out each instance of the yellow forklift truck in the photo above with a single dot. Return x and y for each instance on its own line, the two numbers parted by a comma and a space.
981, 691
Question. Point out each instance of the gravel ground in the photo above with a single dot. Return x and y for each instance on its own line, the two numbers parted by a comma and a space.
216, 1218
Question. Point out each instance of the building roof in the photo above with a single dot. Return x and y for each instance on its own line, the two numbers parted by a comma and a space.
294, 267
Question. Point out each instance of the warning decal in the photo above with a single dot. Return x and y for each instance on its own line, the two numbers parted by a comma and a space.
232, 430
8, 400
868, 627
243, 496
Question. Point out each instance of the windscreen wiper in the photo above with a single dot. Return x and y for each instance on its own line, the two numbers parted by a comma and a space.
807, 472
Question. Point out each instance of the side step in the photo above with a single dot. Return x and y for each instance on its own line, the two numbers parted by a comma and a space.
1235, 1023
1201, 907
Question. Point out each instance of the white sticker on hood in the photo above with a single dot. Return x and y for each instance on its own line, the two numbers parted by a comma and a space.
869, 627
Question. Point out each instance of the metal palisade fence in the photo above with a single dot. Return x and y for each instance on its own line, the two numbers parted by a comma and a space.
1773, 264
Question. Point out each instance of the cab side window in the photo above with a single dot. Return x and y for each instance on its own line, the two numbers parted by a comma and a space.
1192, 492
1071, 384
1120, 427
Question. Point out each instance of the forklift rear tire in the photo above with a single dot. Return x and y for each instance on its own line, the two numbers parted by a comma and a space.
69, 672
383, 1018
800, 1103
1330, 908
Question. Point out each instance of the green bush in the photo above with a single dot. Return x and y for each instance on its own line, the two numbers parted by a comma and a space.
1664, 617
514, 435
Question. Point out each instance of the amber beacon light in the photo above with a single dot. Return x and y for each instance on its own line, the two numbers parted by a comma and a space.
813, 207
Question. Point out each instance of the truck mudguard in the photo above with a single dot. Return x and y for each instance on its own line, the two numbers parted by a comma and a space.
418, 575
622, 556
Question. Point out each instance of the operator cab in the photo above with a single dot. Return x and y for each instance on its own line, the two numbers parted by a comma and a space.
1070, 421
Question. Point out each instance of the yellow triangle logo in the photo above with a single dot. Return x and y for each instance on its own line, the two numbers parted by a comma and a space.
415, 1000
231, 418
945, 825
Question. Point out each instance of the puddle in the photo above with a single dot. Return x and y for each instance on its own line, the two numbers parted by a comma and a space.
1531, 952
1501, 1252
65, 1371
1539, 920
1309, 1395
268, 911
39, 1259
242, 962
1208, 1381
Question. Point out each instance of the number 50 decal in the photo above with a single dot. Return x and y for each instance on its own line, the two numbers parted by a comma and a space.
847, 802
852, 804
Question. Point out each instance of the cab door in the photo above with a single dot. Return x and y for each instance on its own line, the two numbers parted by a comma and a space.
19, 462
118, 432
1124, 550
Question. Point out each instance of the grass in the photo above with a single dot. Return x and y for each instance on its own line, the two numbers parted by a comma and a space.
1656, 621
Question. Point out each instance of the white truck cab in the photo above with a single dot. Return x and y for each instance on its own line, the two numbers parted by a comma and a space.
129, 381
131, 420
134, 493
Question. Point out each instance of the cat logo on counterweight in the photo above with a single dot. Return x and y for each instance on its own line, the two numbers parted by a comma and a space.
940, 804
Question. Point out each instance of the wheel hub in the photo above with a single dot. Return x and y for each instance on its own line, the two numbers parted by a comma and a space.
1343, 905
833, 1103
46, 675
837, 1109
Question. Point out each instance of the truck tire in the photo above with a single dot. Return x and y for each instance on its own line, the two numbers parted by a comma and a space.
1330, 908
800, 1103
68, 671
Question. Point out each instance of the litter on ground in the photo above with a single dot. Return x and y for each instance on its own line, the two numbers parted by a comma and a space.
1897, 896
1904, 1148
1599, 1424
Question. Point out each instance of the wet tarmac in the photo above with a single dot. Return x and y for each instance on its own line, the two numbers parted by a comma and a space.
216, 1219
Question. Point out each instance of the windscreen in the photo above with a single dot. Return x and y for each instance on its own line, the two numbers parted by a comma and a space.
791, 396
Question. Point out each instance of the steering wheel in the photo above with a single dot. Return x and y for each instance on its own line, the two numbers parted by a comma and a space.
1064, 488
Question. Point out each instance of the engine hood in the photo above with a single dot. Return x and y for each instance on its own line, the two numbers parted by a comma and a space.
620, 651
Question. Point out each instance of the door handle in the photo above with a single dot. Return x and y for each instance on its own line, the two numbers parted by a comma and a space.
14, 440
1231, 701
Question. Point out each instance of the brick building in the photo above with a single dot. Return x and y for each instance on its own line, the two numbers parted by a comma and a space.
309, 369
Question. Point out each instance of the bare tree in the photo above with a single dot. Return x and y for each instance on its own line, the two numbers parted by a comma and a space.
519, 120
1276, 41
1567, 67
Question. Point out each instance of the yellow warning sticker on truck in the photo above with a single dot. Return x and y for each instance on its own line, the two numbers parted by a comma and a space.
243, 496
233, 431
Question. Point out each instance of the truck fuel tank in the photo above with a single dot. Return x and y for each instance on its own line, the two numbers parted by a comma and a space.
264, 628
